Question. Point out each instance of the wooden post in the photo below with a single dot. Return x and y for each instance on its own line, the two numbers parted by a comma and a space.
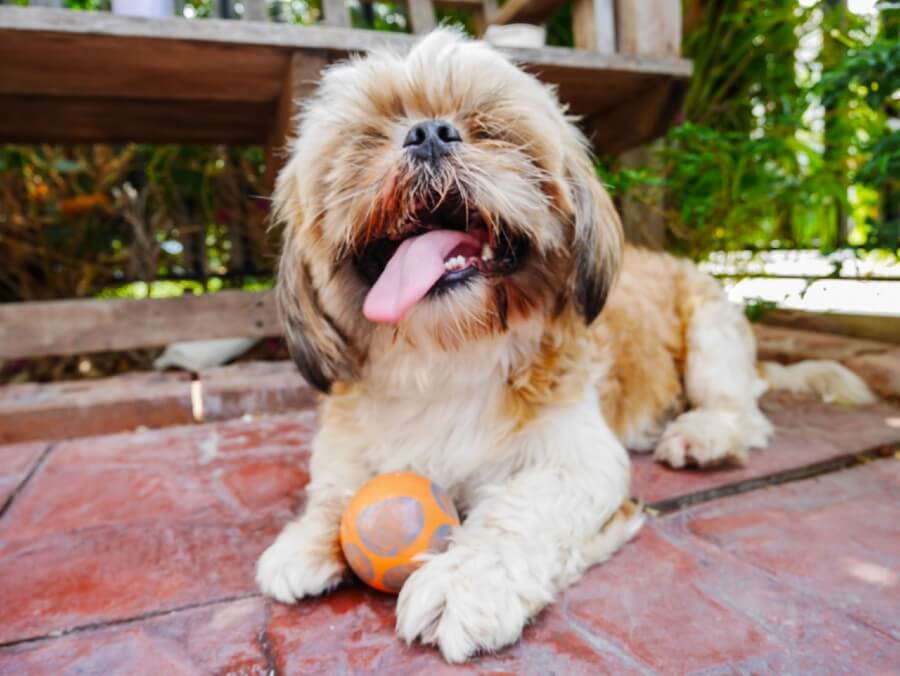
594, 25
649, 27
421, 15
256, 10
644, 219
301, 79
336, 13
484, 13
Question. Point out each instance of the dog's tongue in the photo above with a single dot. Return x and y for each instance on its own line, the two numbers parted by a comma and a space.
413, 269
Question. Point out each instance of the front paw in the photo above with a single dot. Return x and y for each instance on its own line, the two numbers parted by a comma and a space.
462, 602
703, 438
297, 565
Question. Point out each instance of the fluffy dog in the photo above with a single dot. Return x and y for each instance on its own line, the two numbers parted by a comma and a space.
447, 251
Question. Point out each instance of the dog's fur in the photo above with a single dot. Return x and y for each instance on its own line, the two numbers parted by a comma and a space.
504, 390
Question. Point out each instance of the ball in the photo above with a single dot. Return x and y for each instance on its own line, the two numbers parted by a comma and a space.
390, 520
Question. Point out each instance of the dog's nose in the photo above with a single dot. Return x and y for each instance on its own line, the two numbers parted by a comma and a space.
431, 139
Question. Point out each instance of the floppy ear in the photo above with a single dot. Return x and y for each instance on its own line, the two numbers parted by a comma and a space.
596, 238
319, 348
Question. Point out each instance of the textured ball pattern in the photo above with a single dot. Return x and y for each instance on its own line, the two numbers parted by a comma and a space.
390, 520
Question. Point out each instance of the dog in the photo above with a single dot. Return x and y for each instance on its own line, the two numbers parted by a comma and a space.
454, 278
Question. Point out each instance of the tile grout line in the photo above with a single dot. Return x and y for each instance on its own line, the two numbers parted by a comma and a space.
265, 644
879, 452
93, 626
773, 576
40, 462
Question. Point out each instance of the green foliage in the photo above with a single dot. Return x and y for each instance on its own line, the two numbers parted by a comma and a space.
782, 141
87, 5
756, 308
80, 219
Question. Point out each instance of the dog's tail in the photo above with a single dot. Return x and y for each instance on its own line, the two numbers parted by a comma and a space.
621, 527
830, 380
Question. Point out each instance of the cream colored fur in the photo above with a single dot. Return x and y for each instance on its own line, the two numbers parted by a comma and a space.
506, 392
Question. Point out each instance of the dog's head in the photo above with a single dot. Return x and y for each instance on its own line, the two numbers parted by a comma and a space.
441, 193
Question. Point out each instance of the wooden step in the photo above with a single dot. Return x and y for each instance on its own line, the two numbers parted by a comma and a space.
70, 76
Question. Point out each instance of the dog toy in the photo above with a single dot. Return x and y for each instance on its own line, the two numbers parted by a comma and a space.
389, 522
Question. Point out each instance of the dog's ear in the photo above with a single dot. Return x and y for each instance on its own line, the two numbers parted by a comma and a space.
596, 243
317, 345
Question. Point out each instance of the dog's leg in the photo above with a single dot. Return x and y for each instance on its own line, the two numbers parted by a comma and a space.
523, 540
722, 386
832, 381
305, 559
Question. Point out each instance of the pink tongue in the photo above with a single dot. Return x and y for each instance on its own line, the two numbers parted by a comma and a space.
413, 269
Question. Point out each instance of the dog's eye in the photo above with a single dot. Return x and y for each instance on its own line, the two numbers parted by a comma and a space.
481, 130
372, 134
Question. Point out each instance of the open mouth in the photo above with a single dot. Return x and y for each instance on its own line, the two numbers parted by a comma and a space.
440, 248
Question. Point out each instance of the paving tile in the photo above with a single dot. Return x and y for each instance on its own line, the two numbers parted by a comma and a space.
118, 526
648, 601
222, 639
201, 474
352, 631
712, 590
114, 573
833, 539
807, 431
16, 460
801, 578
200, 445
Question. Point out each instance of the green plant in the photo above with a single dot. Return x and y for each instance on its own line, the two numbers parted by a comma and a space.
782, 145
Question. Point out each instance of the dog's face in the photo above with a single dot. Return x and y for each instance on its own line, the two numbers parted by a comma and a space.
442, 193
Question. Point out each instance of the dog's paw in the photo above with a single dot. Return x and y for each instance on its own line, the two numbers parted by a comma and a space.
296, 566
462, 605
707, 437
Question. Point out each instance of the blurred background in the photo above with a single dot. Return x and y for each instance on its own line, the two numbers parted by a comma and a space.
780, 176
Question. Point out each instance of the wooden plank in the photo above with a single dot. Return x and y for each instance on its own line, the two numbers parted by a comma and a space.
870, 327
83, 326
526, 11
637, 121
335, 13
594, 25
241, 41
421, 15
62, 63
34, 119
53, 55
649, 27
61, 410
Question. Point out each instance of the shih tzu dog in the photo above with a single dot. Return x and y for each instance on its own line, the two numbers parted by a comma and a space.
454, 278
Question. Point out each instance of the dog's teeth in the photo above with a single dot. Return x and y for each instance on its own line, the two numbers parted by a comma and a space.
455, 263
487, 253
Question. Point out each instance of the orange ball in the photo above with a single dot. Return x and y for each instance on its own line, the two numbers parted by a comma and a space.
389, 521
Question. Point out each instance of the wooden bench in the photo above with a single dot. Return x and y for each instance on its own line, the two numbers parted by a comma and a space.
96, 77
84, 77
82, 408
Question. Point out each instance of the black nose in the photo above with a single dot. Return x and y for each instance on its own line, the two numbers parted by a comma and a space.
431, 139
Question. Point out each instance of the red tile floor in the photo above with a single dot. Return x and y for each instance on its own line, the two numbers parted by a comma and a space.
133, 553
